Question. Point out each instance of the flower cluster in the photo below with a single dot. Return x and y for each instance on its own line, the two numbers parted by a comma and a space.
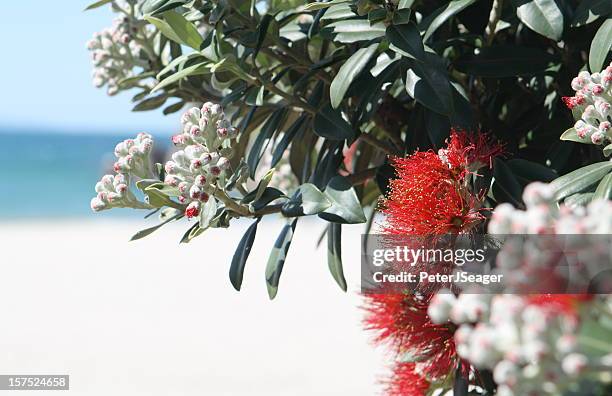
133, 160
117, 51
591, 106
430, 196
200, 167
530, 341
542, 216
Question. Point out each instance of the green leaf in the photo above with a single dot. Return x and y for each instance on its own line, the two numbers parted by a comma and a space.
158, 6
151, 103
590, 10
506, 187
604, 189
328, 123
334, 254
183, 29
288, 136
402, 16
320, 5
531, 171
607, 150
158, 199
407, 38
580, 179
504, 61
541, 16
433, 21
263, 139
348, 72
345, 206
600, 46
149, 231
572, 136
180, 61
207, 213
198, 68
338, 11
276, 261
307, 200
580, 199
241, 255
268, 195
262, 30
350, 31
97, 4
430, 86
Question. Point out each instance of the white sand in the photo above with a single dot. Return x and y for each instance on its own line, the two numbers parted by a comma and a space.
155, 318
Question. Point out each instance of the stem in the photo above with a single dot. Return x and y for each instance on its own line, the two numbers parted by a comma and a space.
363, 176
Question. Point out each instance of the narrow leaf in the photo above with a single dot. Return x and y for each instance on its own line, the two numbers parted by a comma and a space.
276, 261
328, 123
348, 72
580, 179
334, 254
241, 255
600, 46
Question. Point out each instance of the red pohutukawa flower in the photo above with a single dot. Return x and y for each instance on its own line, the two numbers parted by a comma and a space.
431, 195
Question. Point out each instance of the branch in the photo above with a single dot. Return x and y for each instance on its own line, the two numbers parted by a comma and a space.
382, 146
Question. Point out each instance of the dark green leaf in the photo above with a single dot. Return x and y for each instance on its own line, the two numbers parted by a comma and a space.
407, 38
506, 187
429, 85
269, 194
334, 254
531, 171
401, 16
590, 10
241, 255
504, 61
263, 139
276, 261
433, 21
288, 136
328, 123
153, 7
580, 179
173, 108
262, 30
345, 206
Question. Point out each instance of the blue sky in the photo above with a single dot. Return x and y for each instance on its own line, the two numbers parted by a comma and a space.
45, 73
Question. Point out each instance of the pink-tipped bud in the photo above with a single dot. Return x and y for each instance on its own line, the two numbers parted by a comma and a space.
178, 139
97, 205
169, 167
206, 158
223, 163
193, 209
200, 180
183, 187
597, 137
222, 132
194, 192
171, 181
597, 90
196, 164
204, 197
195, 131
215, 170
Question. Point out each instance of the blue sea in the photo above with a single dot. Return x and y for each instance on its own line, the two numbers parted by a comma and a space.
52, 175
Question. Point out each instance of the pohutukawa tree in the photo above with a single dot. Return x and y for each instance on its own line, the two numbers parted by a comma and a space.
433, 115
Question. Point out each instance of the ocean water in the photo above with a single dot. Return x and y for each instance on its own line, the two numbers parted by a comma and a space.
52, 175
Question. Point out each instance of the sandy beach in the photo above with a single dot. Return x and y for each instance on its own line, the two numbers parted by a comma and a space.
153, 317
